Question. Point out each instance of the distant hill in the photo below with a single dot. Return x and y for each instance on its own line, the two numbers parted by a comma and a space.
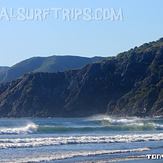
130, 84
45, 64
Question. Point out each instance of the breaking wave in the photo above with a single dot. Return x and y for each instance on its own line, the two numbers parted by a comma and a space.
127, 123
28, 128
96, 123
63, 140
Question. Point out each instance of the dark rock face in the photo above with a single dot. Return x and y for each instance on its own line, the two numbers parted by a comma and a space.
130, 84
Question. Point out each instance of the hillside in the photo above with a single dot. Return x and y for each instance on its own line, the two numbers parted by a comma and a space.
46, 64
130, 84
3, 71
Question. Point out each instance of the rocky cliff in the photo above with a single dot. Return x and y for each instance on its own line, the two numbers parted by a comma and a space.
130, 84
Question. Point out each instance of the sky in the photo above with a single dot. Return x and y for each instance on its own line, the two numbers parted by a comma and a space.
21, 39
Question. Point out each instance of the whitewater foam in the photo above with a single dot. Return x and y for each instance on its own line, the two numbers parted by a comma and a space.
28, 128
116, 120
50, 141
126, 123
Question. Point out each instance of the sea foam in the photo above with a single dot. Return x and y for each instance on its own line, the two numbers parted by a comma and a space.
63, 140
27, 128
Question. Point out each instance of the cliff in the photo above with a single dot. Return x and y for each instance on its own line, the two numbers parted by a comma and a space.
130, 84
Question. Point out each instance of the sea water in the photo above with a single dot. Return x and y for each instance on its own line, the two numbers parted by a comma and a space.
93, 139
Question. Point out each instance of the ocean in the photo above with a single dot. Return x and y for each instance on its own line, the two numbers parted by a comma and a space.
93, 139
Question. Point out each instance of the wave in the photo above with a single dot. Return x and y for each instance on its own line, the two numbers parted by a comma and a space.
28, 128
63, 140
127, 123
115, 120
52, 129
105, 128
69, 155
98, 123
104, 123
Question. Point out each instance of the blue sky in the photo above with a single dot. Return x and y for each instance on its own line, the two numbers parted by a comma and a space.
142, 22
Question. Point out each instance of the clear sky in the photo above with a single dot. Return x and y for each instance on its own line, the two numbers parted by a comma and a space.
142, 22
